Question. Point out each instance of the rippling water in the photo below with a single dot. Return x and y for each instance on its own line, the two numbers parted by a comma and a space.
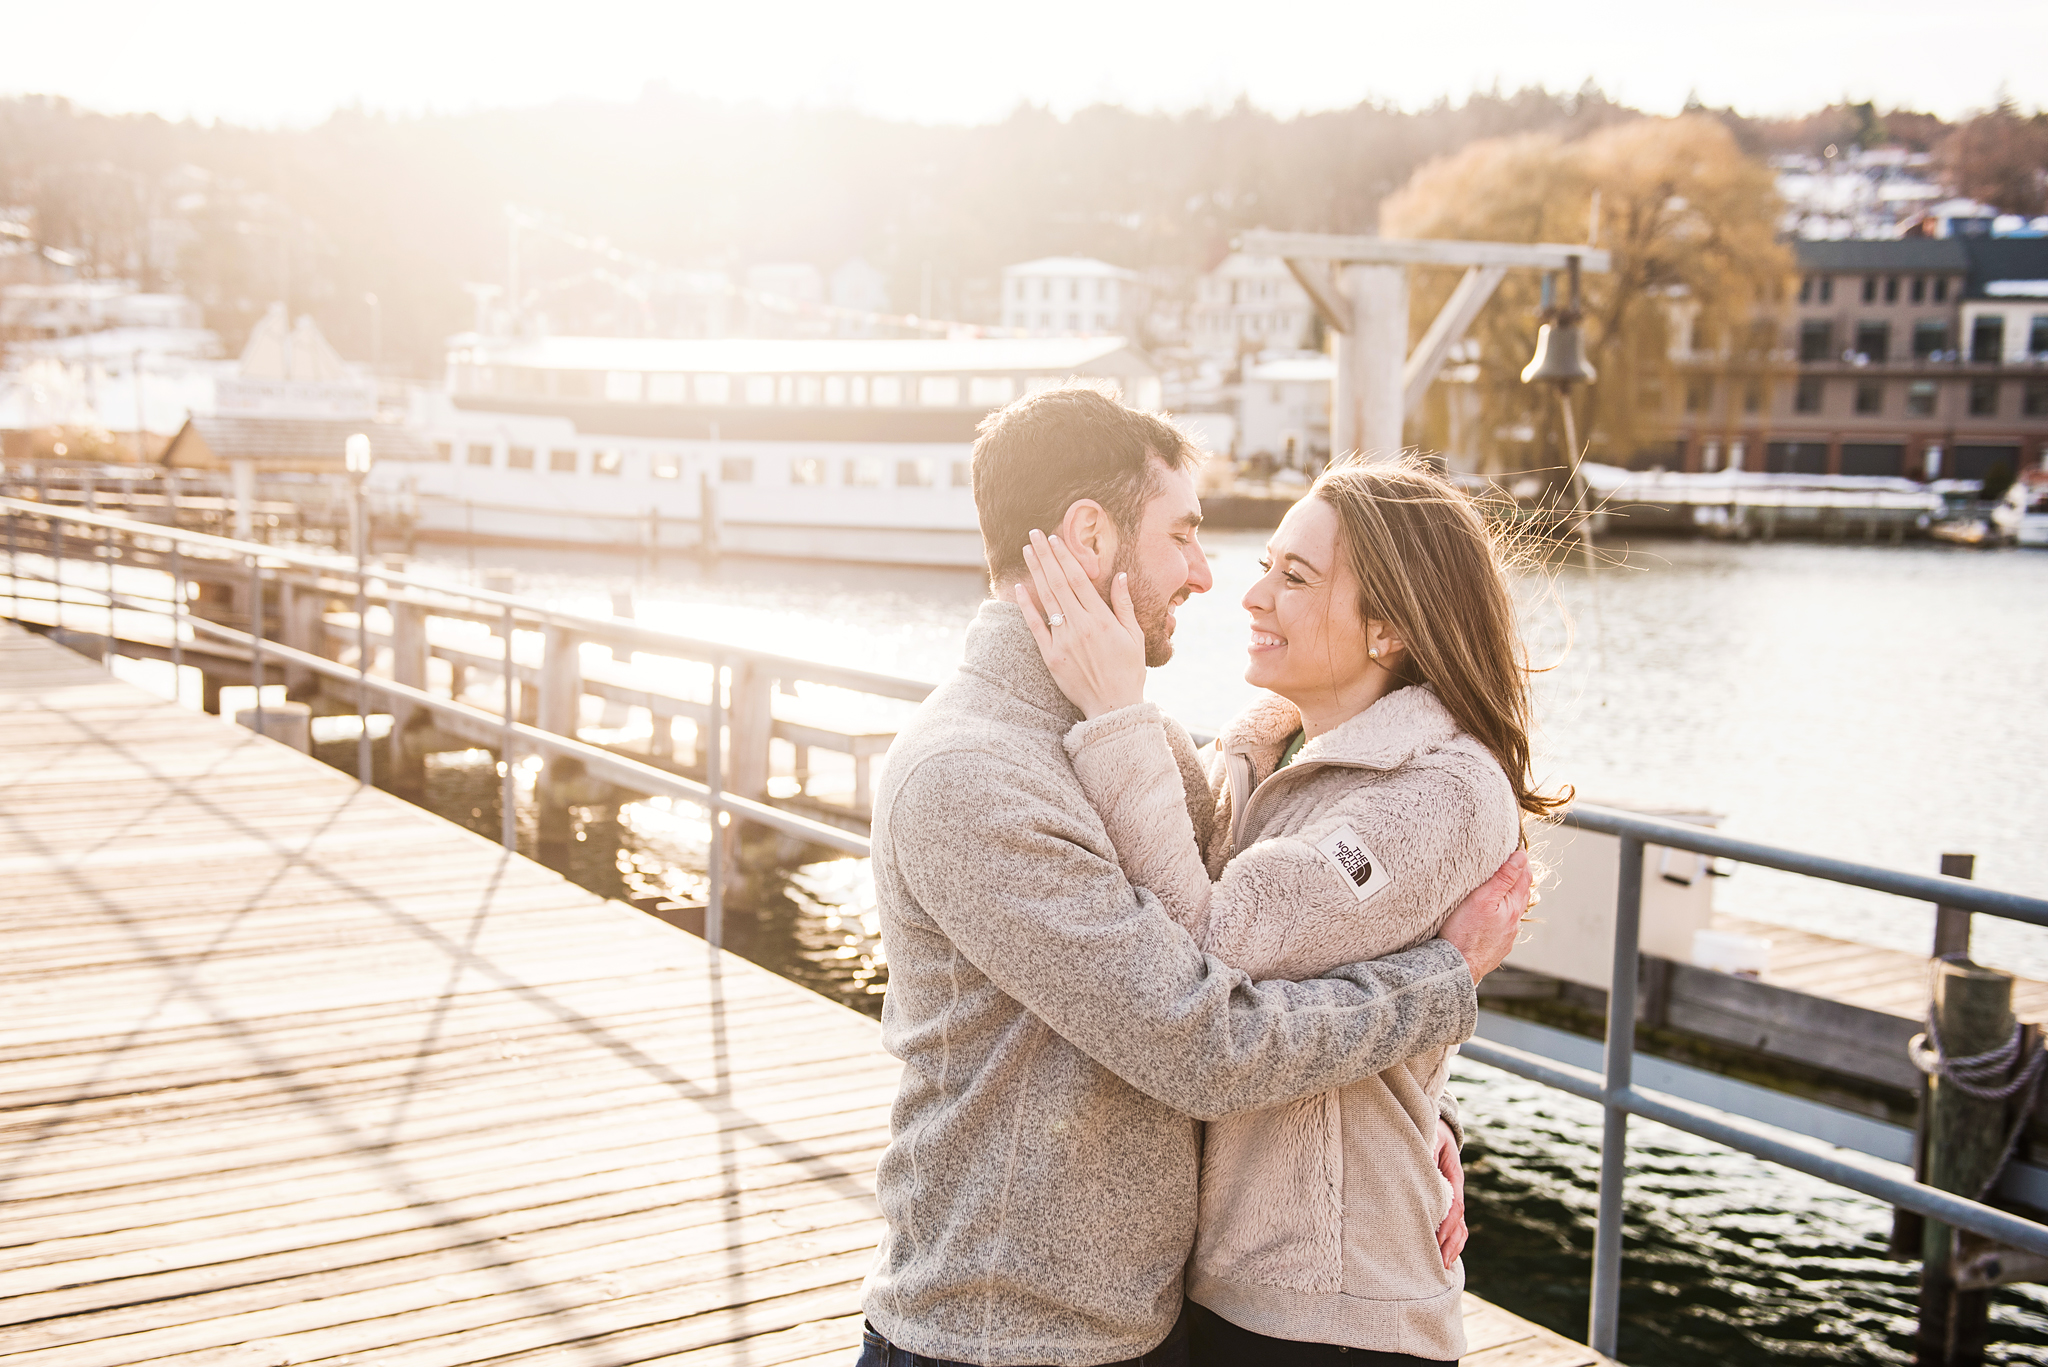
1877, 703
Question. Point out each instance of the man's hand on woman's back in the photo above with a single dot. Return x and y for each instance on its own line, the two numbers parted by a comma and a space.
1484, 926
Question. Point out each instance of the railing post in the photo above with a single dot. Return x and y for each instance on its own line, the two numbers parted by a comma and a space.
1605, 1318
560, 712
177, 617
113, 626
408, 666
364, 770
256, 636
57, 578
508, 824
13, 564
751, 724
714, 779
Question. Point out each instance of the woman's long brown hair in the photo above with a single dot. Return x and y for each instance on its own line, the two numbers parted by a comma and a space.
1428, 565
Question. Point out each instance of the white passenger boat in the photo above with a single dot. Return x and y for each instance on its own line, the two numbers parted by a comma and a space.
817, 449
2022, 516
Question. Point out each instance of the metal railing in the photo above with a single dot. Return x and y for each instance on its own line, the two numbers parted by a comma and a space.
1612, 1089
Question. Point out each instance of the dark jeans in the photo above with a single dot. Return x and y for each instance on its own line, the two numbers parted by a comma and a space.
1214, 1341
876, 1351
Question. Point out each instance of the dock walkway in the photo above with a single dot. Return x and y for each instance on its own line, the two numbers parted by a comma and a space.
294, 1072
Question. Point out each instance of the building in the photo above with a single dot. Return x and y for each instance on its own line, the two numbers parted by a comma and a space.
75, 307
1921, 358
1249, 304
1284, 410
1070, 296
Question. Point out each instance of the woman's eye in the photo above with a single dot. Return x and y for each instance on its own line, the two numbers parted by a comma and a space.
1294, 578
1266, 564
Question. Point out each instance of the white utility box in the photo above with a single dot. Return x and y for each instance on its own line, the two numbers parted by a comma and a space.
1573, 938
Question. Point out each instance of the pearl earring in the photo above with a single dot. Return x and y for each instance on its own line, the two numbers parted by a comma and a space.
1373, 653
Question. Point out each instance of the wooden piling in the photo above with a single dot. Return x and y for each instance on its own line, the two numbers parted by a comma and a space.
1972, 1011
408, 666
558, 710
1952, 924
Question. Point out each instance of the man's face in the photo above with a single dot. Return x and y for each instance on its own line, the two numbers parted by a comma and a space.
1164, 560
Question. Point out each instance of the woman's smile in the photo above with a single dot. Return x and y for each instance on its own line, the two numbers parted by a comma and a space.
1266, 640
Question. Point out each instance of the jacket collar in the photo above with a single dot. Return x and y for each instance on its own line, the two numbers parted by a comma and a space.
1394, 730
1001, 649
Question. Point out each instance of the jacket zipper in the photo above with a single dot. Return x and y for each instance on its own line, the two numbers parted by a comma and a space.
1240, 780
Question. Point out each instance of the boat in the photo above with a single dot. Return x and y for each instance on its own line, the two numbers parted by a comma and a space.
2021, 517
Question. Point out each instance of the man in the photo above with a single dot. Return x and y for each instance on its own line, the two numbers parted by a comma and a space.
1061, 1035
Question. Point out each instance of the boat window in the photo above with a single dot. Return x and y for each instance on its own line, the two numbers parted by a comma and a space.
857, 390
668, 389
444, 450
963, 474
667, 465
808, 390
562, 460
939, 391
807, 470
835, 390
760, 389
714, 389
736, 470
887, 391
623, 386
785, 390
610, 461
991, 391
519, 458
914, 474
480, 453
864, 472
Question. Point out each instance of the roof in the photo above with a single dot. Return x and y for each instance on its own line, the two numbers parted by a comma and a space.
1069, 265
803, 356
2006, 261
1889, 254
314, 444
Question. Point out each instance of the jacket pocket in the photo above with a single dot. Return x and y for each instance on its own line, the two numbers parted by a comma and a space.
1272, 1197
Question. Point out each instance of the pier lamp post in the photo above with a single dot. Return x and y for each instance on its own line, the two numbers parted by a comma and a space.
356, 455
1560, 360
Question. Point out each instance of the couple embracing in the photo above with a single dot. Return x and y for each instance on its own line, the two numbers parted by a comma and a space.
1176, 1027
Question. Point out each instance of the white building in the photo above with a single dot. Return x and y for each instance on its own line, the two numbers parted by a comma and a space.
1070, 296
1284, 410
1248, 303
38, 312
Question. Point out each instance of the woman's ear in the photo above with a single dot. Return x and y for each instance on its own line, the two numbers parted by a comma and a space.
1384, 645
1091, 536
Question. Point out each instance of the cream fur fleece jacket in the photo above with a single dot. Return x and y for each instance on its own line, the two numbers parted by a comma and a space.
1317, 1218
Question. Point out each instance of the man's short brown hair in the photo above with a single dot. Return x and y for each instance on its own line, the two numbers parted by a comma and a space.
1037, 457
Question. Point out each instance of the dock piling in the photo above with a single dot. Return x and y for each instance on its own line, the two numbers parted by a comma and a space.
1952, 924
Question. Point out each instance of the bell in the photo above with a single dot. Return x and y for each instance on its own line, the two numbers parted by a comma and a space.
1559, 358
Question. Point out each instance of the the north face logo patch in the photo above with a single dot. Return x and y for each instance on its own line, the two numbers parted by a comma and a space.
1361, 870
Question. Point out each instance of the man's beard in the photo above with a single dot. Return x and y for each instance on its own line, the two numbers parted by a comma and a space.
1150, 607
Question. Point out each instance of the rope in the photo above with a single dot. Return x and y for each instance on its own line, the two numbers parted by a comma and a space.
1974, 1075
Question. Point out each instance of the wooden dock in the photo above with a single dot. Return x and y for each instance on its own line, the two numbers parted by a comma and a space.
295, 1072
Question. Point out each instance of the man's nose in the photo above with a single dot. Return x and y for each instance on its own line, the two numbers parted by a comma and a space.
1200, 580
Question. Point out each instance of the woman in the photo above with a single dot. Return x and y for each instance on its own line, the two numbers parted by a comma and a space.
1382, 776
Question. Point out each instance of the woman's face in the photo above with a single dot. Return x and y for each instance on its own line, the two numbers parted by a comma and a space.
1308, 642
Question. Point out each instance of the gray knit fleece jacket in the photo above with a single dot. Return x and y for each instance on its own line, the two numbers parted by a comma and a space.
1061, 1036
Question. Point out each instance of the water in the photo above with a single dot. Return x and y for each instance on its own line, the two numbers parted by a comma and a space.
1876, 703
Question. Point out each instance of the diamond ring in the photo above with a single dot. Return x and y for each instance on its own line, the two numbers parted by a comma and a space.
1058, 619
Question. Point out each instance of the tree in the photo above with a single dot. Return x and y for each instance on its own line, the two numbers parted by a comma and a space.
2001, 158
1691, 223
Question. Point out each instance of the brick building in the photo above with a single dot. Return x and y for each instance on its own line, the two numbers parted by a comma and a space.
1919, 357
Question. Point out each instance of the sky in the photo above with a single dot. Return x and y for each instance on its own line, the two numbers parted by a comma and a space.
288, 62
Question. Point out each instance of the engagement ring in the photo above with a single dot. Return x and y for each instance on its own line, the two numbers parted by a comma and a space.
1058, 619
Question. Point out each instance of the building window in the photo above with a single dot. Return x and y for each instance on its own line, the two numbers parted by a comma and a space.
1816, 340
914, 474
1875, 341
1698, 394
1940, 289
939, 391
1929, 339
2034, 399
519, 458
1806, 289
864, 472
991, 391
1983, 398
1870, 289
1808, 397
1869, 396
1752, 397
1827, 289
736, 470
1919, 289
963, 474
1891, 289
887, 391
1987, 340
807, 470
668, 389
480, 453
2037, 335
609, 461
714, 388
562, 460
1920, 399
1073, 322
